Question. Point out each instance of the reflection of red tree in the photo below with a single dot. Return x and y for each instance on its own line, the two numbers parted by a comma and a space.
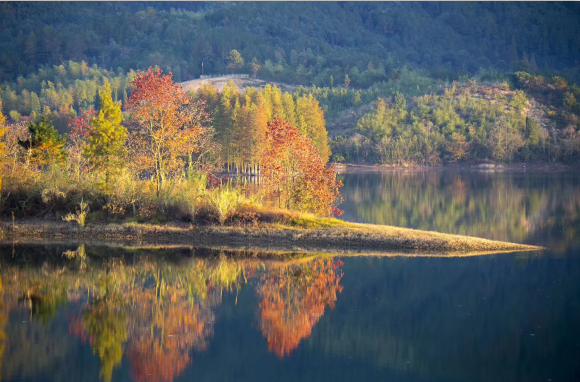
160, 351
76, 328
293, 301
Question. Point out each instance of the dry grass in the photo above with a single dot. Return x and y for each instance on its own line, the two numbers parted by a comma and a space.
220, 82
279, 230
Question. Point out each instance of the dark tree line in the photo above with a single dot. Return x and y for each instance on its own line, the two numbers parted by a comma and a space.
306, 43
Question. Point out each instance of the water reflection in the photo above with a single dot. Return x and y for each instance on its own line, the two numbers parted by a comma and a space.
153, 314
294, 299
156, 308
114, 314
536, 208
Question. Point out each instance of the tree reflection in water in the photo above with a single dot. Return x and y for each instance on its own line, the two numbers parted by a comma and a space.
157, 312
293, 300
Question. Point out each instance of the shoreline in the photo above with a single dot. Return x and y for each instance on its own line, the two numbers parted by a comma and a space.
339, 236
345, 168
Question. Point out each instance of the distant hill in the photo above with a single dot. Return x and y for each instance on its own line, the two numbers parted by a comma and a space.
535, 118
294, 42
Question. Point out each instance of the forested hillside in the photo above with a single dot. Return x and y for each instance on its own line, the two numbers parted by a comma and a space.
531, 118
396, 83
303, 43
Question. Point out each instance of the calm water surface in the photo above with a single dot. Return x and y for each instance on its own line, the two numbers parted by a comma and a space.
110, 314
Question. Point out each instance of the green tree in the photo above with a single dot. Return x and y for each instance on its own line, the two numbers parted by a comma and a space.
30, 47
235, 60
255, 67
311, 123
15, 116
107, 136
34, 103
45, 145
514, 53
504, 141
533, 64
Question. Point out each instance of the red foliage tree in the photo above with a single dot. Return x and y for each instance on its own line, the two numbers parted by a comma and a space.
293, 173
168, 124
79, 129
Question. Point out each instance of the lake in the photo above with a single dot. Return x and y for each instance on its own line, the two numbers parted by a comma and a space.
74, 312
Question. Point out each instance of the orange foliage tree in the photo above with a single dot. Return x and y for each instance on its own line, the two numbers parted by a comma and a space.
293, 301
168, 125
294, 174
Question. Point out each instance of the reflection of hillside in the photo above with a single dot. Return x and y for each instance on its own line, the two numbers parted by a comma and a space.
3, 322
505, 206
465, 319
34, 349
293, 300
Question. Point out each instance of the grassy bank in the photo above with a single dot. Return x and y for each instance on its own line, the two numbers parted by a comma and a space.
295, 232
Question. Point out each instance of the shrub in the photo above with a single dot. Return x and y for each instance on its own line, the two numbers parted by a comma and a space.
80, 215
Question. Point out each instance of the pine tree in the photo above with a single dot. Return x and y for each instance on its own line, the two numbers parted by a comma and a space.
533, 65
224, 120
259, 127
289, 108
34, 103
107, 136
45, 145
514, 53
312, 124
276, 100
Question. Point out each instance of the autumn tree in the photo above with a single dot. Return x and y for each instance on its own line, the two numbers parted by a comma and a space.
458, 147
166, 125
504, 141
13, 151
45, 145
294, 175
79, 128
107, 136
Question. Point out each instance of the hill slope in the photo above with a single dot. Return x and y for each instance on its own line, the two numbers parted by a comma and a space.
293, 42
